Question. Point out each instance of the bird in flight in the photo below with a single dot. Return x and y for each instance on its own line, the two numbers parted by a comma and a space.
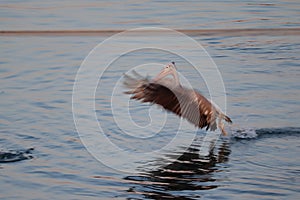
172, 96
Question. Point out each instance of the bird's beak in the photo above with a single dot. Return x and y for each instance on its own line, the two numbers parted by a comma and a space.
163, 73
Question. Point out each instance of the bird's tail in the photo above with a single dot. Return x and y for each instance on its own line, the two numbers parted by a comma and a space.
221, 124
226, 118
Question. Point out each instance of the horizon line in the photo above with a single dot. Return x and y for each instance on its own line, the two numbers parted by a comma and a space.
190, 32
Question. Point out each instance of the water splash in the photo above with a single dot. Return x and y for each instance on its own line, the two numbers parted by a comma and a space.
252, 133
14, 156
244, 133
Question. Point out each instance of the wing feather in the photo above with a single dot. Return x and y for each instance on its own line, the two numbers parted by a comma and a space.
184, 102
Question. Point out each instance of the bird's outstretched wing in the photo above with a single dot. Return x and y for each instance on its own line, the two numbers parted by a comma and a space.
184, 102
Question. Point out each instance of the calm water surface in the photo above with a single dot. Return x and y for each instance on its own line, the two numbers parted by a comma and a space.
131, 14
42, 156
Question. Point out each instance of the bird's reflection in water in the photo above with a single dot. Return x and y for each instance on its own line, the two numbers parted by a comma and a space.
182, 178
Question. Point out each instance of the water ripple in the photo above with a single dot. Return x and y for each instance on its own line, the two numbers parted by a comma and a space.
15, 156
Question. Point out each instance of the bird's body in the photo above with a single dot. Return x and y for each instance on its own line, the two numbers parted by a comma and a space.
169, 93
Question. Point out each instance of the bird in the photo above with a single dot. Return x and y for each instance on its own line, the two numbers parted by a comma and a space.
173, 97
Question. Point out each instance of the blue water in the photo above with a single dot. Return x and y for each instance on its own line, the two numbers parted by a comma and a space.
19, 15
43, 157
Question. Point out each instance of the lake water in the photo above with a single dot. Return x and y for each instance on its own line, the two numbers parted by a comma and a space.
42, 155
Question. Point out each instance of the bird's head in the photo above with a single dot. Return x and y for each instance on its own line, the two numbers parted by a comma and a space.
169, 69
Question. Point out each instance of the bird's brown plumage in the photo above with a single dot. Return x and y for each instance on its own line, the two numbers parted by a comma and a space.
184, 102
